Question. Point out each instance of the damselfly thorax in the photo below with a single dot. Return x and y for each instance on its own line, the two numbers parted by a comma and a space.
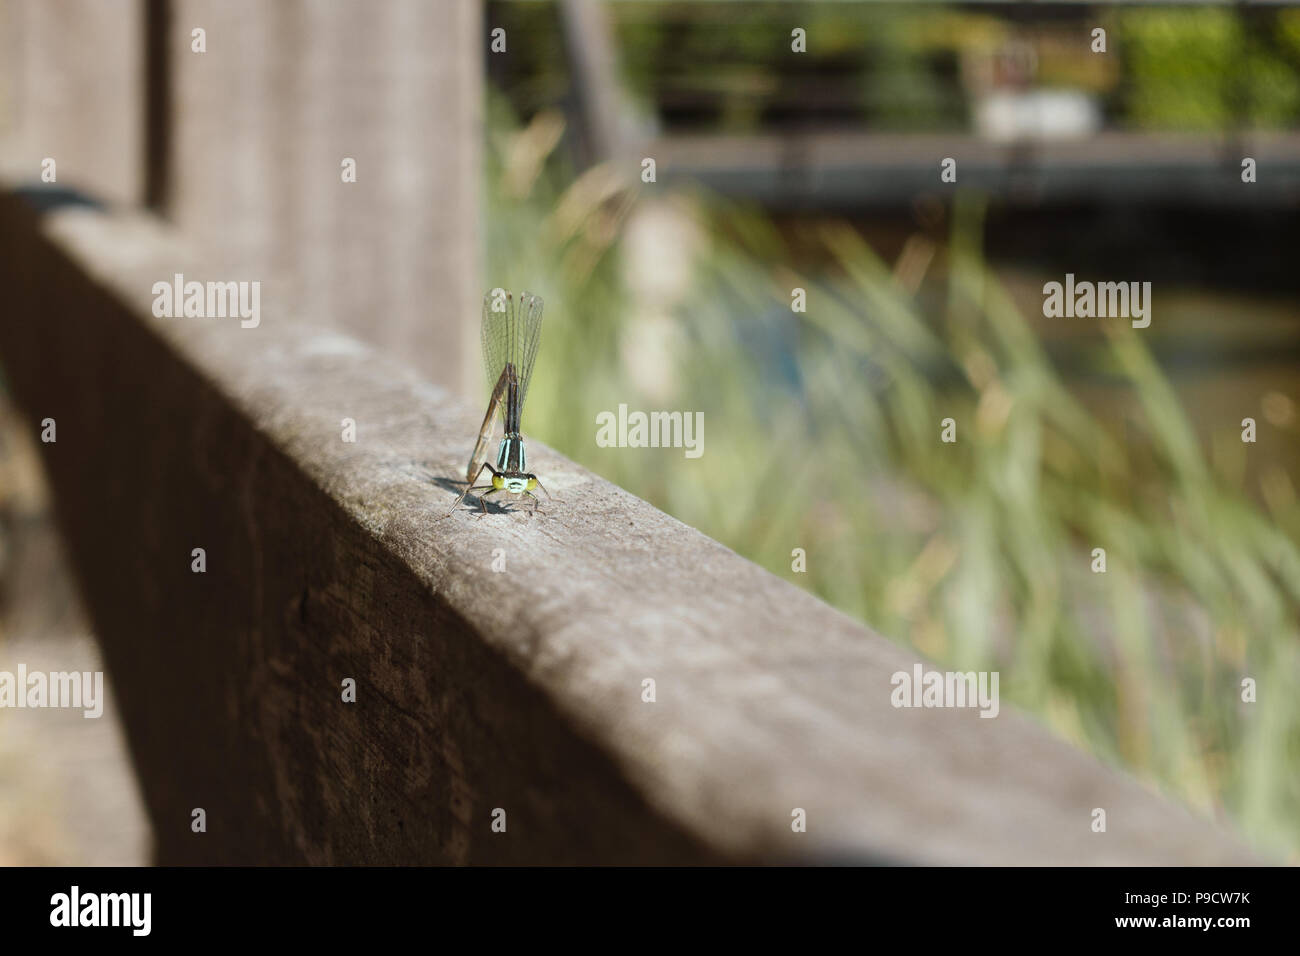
510, 340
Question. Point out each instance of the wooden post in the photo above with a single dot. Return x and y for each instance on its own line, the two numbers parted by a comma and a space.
71, 90
262, 122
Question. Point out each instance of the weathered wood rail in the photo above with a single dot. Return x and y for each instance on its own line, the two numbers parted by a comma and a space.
476, 689
835, 170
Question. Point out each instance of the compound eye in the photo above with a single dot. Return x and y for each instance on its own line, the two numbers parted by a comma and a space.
532, 482
498, 482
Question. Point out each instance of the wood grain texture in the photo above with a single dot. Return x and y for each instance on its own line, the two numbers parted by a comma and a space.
476, 690
261, 123
71, 89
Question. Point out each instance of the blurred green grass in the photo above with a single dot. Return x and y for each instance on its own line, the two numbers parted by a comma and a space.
822, 433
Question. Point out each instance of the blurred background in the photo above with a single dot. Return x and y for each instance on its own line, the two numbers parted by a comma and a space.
819, 170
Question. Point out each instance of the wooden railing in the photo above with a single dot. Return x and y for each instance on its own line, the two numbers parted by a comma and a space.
500, 663
298, 645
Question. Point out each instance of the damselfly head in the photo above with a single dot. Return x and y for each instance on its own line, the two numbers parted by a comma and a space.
517, 484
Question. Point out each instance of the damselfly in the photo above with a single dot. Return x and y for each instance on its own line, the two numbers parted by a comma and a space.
511, 333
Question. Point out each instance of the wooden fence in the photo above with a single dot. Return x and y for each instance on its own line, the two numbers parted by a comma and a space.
499, 665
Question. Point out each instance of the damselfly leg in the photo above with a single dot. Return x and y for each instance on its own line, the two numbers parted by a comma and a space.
469, 486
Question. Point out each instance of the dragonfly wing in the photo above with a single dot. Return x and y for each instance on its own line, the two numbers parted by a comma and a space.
511, 335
